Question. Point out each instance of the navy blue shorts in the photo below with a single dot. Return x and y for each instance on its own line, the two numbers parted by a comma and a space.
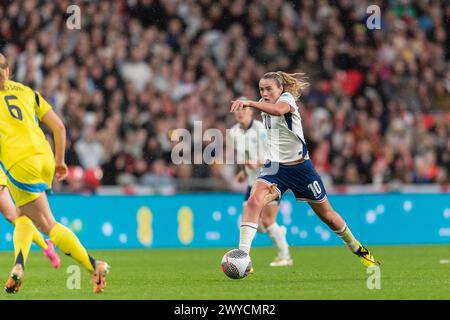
301, 178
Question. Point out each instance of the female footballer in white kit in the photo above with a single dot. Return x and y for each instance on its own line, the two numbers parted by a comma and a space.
289, 166
249, 140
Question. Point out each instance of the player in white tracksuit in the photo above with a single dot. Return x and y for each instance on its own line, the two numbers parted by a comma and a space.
249, 139
288, 165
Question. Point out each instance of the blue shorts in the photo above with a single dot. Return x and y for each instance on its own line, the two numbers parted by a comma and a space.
301, 178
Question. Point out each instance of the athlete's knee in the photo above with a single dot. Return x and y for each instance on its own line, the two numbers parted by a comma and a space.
9, 211
10, 216
255, 203
253, 207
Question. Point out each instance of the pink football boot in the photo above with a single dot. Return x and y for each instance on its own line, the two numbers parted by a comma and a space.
51, 254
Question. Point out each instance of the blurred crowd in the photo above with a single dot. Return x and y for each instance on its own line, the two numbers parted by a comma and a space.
377, 110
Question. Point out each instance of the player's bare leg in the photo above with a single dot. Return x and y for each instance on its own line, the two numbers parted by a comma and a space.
7, 207
277, 233
334, 220
260, 194
39, 212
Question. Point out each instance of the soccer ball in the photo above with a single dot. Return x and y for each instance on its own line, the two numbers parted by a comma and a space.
236, 264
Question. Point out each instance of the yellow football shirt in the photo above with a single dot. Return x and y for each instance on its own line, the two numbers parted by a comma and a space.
20, 134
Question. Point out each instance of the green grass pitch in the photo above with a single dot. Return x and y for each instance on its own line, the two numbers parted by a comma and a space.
408, 272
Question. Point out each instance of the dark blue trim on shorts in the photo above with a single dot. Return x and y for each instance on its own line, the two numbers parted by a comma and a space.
35, 188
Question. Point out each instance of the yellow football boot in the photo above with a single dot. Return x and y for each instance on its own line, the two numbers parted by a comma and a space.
365, 257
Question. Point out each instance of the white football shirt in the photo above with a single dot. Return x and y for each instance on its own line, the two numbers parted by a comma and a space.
285, 141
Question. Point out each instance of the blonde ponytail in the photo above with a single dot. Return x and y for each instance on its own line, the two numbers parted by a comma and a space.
3, 66
294, 83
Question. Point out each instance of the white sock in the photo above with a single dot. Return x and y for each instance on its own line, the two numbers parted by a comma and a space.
279, 239
346, 235
248, 232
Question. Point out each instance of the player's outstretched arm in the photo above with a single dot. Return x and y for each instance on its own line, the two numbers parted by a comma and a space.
52, 120
275, 109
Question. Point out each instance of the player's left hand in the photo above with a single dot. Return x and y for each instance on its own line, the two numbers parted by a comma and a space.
238, 105
61, 171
